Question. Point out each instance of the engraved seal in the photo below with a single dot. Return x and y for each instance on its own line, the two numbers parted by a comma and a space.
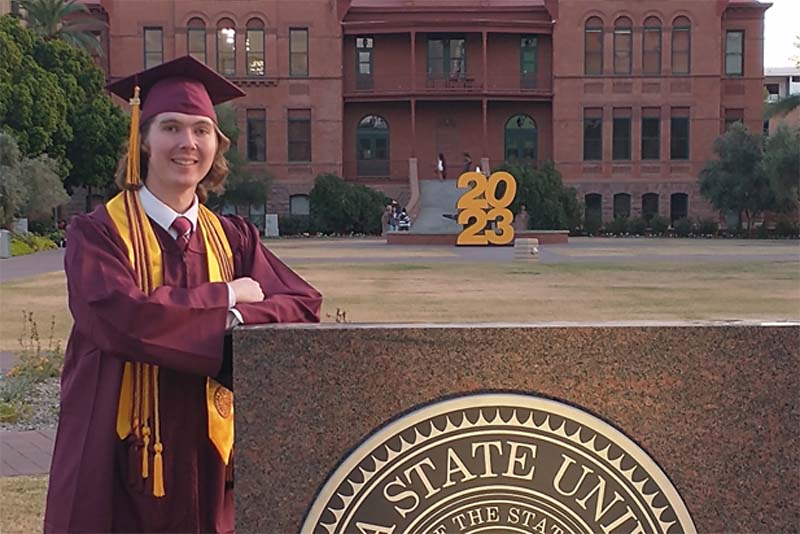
499, 463
223, 401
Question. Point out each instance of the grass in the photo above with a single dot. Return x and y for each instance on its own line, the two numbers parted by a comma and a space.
410, 287
22, 504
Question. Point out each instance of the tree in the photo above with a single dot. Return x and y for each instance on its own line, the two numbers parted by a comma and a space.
29, 187
242, 186
782, 166
550, 205
52, 100
33, 106
67, 20
737, 181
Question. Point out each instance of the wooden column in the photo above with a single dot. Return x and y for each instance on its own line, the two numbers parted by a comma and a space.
485, 67
413, 103
413, 61
485, 106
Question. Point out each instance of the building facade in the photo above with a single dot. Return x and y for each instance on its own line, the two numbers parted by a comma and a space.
626, 97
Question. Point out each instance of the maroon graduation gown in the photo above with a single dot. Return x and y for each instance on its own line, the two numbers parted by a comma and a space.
180, 327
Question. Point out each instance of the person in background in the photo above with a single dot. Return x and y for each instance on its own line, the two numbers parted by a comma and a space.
441, 167
467, 162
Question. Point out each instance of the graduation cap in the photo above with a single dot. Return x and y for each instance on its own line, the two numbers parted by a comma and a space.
183, 85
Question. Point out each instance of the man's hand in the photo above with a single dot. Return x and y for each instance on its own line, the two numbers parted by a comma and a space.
246, 290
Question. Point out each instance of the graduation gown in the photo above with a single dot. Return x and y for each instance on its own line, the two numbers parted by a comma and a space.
181, 328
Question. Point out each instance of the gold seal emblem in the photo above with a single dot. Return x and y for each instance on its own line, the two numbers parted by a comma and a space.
223, 401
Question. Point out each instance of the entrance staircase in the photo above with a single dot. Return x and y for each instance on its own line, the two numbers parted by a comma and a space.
437, 197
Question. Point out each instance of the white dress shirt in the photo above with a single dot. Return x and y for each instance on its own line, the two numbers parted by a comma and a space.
164, 216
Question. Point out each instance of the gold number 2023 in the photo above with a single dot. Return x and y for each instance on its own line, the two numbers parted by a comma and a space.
480, 204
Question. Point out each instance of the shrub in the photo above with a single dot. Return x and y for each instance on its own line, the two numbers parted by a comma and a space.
341, 208
707, 227
659, 225
294, 224
592, 226
619, 226
762, 232
41, 227
19, 247
637, 226
682, 227
785, 227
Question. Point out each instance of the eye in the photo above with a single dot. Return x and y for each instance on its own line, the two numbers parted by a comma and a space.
203, 130
170, 128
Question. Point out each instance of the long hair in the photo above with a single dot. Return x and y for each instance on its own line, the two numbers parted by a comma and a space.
213, 181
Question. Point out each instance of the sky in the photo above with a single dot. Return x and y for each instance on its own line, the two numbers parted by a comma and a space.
780, 28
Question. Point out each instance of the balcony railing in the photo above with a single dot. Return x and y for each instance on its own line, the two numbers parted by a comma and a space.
376, 169
468, 83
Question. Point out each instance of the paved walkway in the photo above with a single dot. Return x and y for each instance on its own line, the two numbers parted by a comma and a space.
26, 453
31, 265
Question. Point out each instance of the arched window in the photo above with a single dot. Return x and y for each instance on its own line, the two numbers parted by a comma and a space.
678, 207
623, 45
196, 39
681, 46
593, 215
299, 205
254, 48
593, 47
622, 206
372, 147
651, 47
649, 206
226, 47
521, 139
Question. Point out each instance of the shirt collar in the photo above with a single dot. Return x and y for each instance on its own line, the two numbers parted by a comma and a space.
162, 214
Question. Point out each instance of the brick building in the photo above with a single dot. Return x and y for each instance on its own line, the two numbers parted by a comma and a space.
625, 96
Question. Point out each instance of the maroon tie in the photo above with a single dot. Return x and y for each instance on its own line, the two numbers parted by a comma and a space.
183, 227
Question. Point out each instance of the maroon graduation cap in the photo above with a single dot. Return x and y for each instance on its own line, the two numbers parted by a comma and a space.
183, 85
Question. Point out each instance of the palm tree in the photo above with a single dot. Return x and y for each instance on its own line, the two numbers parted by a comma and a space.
67, 20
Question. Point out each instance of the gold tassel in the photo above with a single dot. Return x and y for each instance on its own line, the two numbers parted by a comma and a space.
158, 463
145, 395
158, 472
132, 176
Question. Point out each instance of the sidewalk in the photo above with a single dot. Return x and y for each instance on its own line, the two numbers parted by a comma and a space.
26, 453
31, 265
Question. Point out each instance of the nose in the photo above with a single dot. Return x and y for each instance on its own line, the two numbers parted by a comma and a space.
188, 139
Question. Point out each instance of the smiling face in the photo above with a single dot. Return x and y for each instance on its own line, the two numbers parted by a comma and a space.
181, 150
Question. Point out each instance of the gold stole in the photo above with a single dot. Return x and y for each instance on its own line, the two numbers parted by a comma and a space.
138, 397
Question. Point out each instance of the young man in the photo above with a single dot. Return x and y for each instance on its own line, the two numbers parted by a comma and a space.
155, 279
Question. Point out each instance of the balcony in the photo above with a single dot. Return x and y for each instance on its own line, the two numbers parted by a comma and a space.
468, 84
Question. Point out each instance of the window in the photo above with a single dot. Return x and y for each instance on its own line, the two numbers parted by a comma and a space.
621, 134
622, 206
256, 135
679, 134
298, 52
593, 47
651, 133
364, 62
681, 46
299, 205
623, 44
734, 53
649, 206
593, 134
254, 48
196, 39
732, 116
520, 139
527, 61
299, 135
678, 207
153, 47
226, 48
447, 58
593, 213
651, 47
372, 145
